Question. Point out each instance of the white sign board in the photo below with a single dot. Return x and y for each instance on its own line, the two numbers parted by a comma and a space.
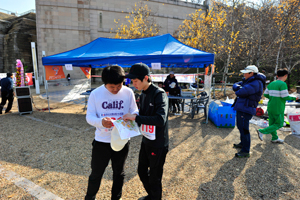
2, 75
156, 66
69, 66
181, 78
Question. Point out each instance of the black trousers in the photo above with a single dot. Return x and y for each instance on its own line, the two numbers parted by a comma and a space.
6, 96
101, 154
150, 169
174, 103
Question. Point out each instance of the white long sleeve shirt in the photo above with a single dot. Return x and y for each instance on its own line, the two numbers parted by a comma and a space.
102, 103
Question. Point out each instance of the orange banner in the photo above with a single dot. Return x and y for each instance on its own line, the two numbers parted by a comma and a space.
54, 72
86, 71
206, 70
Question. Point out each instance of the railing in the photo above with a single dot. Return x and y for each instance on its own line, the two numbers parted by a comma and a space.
15, 13
29, 11
7, 12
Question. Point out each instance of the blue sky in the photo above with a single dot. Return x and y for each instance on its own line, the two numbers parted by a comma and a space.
19, 6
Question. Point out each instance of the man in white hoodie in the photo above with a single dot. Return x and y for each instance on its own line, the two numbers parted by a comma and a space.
109, 101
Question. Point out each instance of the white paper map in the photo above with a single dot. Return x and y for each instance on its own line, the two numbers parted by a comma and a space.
127, 129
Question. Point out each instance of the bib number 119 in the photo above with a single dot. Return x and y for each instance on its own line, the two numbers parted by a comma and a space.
148, 131
147, 128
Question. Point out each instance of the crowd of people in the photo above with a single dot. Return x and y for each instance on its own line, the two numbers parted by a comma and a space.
153, 114
249, 92
113, 101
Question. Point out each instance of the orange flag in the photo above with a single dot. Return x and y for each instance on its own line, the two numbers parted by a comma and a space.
86, 71
206, 70
54, 72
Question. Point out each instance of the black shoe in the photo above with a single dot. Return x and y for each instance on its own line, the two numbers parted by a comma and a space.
242, 155
145, 198
88, 197
238, 146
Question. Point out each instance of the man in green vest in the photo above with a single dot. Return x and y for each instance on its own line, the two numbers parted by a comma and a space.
277, 93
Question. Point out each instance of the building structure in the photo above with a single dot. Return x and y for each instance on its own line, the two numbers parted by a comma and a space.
16, 33
68, 24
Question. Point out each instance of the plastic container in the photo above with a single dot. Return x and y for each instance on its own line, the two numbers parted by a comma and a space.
222, 116
226, 104
263, 123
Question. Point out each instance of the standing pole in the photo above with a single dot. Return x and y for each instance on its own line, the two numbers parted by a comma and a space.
36, 74
91, 78
214, 85
46, 83
197, 83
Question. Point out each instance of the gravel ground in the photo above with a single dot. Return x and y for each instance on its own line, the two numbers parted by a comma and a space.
53, 150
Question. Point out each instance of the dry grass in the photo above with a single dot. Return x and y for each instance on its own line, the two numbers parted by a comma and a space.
53, 150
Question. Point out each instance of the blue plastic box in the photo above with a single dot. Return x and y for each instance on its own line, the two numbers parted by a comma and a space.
222, 116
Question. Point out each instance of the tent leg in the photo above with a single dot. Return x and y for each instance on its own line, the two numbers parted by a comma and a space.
47, 96
197, 83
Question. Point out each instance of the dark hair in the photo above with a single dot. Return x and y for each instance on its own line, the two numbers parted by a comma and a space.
160, 83
8, 74
113, 75
142, 78
282, 72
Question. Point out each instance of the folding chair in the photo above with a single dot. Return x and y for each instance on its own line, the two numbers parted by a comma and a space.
200, 103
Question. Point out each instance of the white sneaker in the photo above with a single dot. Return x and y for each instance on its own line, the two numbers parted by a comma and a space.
260, 135
280, 141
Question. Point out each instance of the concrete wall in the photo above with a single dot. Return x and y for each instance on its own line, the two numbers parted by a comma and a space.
16, 33
68, 24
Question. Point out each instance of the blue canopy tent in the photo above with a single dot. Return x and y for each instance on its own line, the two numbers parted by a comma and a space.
163, 49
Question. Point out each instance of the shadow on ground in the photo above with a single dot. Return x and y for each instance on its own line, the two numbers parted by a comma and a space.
221, 186
291, 138
269, 172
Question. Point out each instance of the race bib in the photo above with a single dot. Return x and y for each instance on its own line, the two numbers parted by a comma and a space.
148, 131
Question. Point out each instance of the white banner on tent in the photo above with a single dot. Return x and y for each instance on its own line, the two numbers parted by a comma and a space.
181, 78
156, 66
69, 66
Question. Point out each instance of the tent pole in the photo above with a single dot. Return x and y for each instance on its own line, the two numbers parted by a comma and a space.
46, 82
197, 82
48, 96
91, 78
46, 87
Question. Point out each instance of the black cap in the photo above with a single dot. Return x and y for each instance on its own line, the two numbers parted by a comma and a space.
138, 70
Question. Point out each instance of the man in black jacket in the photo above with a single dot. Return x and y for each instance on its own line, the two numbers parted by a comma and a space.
153, 122
7, 92
171, 86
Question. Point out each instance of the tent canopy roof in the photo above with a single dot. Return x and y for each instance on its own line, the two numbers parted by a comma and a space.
163, 49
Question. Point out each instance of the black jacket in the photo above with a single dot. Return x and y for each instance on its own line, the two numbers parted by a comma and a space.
7, 85
168, 81
154, 111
